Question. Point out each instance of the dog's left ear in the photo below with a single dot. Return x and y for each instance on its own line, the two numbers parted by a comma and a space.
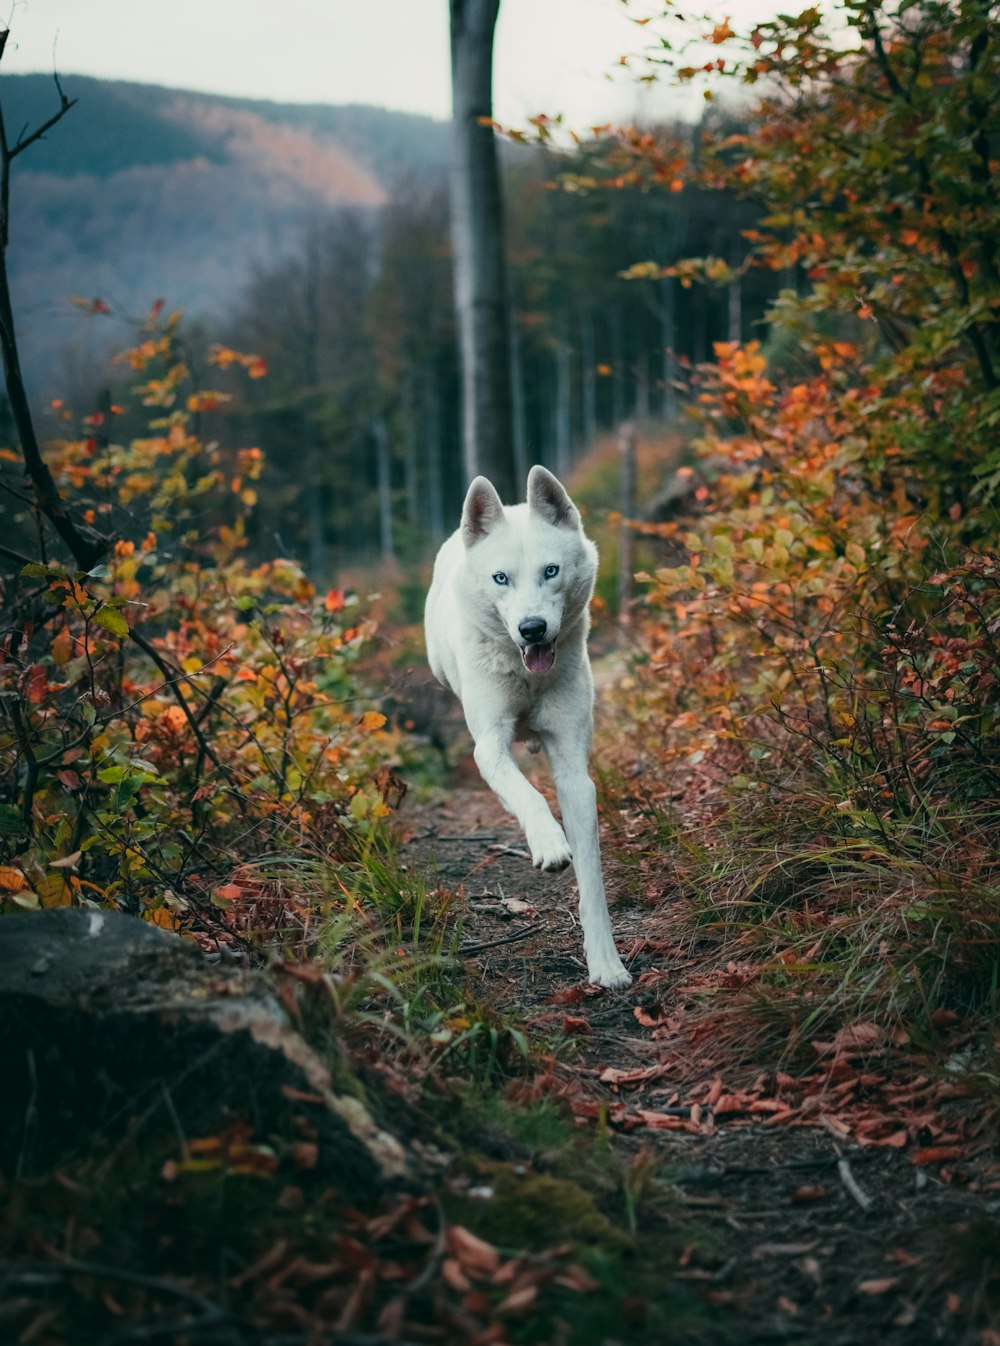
547, 497
481, 511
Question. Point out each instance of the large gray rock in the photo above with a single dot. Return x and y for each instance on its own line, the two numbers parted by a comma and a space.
109, 1024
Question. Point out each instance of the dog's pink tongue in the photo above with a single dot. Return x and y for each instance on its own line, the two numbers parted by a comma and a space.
539, 658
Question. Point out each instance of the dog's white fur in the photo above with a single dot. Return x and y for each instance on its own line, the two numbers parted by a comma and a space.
501, 574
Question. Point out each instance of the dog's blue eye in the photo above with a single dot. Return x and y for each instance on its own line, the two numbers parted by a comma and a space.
551, 572
499, 577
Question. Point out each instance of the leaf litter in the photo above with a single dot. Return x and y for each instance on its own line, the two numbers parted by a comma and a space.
848, 1174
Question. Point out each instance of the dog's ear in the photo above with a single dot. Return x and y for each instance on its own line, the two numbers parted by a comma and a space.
547, 497
481, 511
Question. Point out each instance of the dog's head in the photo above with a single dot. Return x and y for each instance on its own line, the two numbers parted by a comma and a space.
532, 569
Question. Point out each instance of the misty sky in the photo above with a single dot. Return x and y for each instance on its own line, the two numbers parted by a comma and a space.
551, 55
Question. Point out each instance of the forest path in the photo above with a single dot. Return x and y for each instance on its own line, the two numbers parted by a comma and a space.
802, 1232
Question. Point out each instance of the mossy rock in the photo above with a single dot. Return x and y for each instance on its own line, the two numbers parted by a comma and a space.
532, 1212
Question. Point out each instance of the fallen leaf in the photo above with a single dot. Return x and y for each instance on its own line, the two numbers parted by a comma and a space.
804, 1194
613, 1075
575, 1278
878, 1285
454, 1276
570, 995
519, 1300
476, 1256
936, 1154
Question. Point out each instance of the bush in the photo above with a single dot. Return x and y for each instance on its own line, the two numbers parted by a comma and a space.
179, 709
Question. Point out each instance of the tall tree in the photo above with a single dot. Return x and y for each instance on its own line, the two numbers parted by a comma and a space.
478, 248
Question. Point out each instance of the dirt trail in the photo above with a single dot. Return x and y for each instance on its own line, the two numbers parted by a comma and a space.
804, 1234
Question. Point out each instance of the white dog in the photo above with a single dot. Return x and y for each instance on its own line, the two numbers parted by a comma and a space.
506, 620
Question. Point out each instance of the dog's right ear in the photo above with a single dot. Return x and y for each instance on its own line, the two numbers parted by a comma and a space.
481, 511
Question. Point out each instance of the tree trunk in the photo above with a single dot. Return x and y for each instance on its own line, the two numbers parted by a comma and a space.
700, 339
668, 336
626, 451
736, 299
589, 390
618, 363
312, 477
411, 484
521, 463
435, 466
383, 459
564, 427
478, 249
642, 387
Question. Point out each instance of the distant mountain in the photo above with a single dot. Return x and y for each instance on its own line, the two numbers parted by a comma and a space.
142, 192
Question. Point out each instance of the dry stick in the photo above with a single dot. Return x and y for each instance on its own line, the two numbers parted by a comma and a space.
15, 556
492, 943
24, 1274
86, 550
851, 1183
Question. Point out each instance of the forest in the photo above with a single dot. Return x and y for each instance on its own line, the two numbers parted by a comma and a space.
297, 1046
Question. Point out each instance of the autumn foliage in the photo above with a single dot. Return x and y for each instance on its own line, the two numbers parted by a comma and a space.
823, 664
176, 709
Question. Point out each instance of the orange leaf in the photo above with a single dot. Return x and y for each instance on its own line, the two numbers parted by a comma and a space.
164, 918
37, 684
371, 720
936, 1154
12, 880
334, 601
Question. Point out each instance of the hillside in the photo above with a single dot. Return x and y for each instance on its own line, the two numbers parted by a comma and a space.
143, 193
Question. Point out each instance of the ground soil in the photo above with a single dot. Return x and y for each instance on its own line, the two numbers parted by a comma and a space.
803, 1233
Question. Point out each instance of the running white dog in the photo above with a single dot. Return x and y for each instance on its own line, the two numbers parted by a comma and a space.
507, 619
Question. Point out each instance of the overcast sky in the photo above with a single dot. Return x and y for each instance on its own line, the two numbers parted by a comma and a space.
551, 55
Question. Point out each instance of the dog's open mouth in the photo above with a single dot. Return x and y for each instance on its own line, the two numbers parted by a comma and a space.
539, 658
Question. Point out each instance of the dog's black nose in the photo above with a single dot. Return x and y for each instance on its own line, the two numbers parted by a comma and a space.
532, 630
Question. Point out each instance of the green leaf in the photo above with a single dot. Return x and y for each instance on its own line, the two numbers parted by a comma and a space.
112, 621
11, 822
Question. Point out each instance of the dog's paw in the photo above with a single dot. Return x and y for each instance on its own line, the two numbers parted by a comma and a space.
549, 848
609, 972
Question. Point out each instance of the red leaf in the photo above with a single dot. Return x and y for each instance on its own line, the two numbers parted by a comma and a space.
36, 684
936, 1154
570, 995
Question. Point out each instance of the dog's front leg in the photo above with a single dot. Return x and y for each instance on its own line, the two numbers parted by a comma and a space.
578, 802
546, 839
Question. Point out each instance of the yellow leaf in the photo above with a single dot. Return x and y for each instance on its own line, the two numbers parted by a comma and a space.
372, 719
54, 891
164, 918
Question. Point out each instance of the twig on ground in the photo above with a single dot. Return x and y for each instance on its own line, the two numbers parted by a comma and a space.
851, 1183
26, 1275
465, 949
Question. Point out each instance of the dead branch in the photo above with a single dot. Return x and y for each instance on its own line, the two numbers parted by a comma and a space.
86, 545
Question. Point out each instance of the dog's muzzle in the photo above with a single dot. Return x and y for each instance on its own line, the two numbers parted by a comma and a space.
537, 654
